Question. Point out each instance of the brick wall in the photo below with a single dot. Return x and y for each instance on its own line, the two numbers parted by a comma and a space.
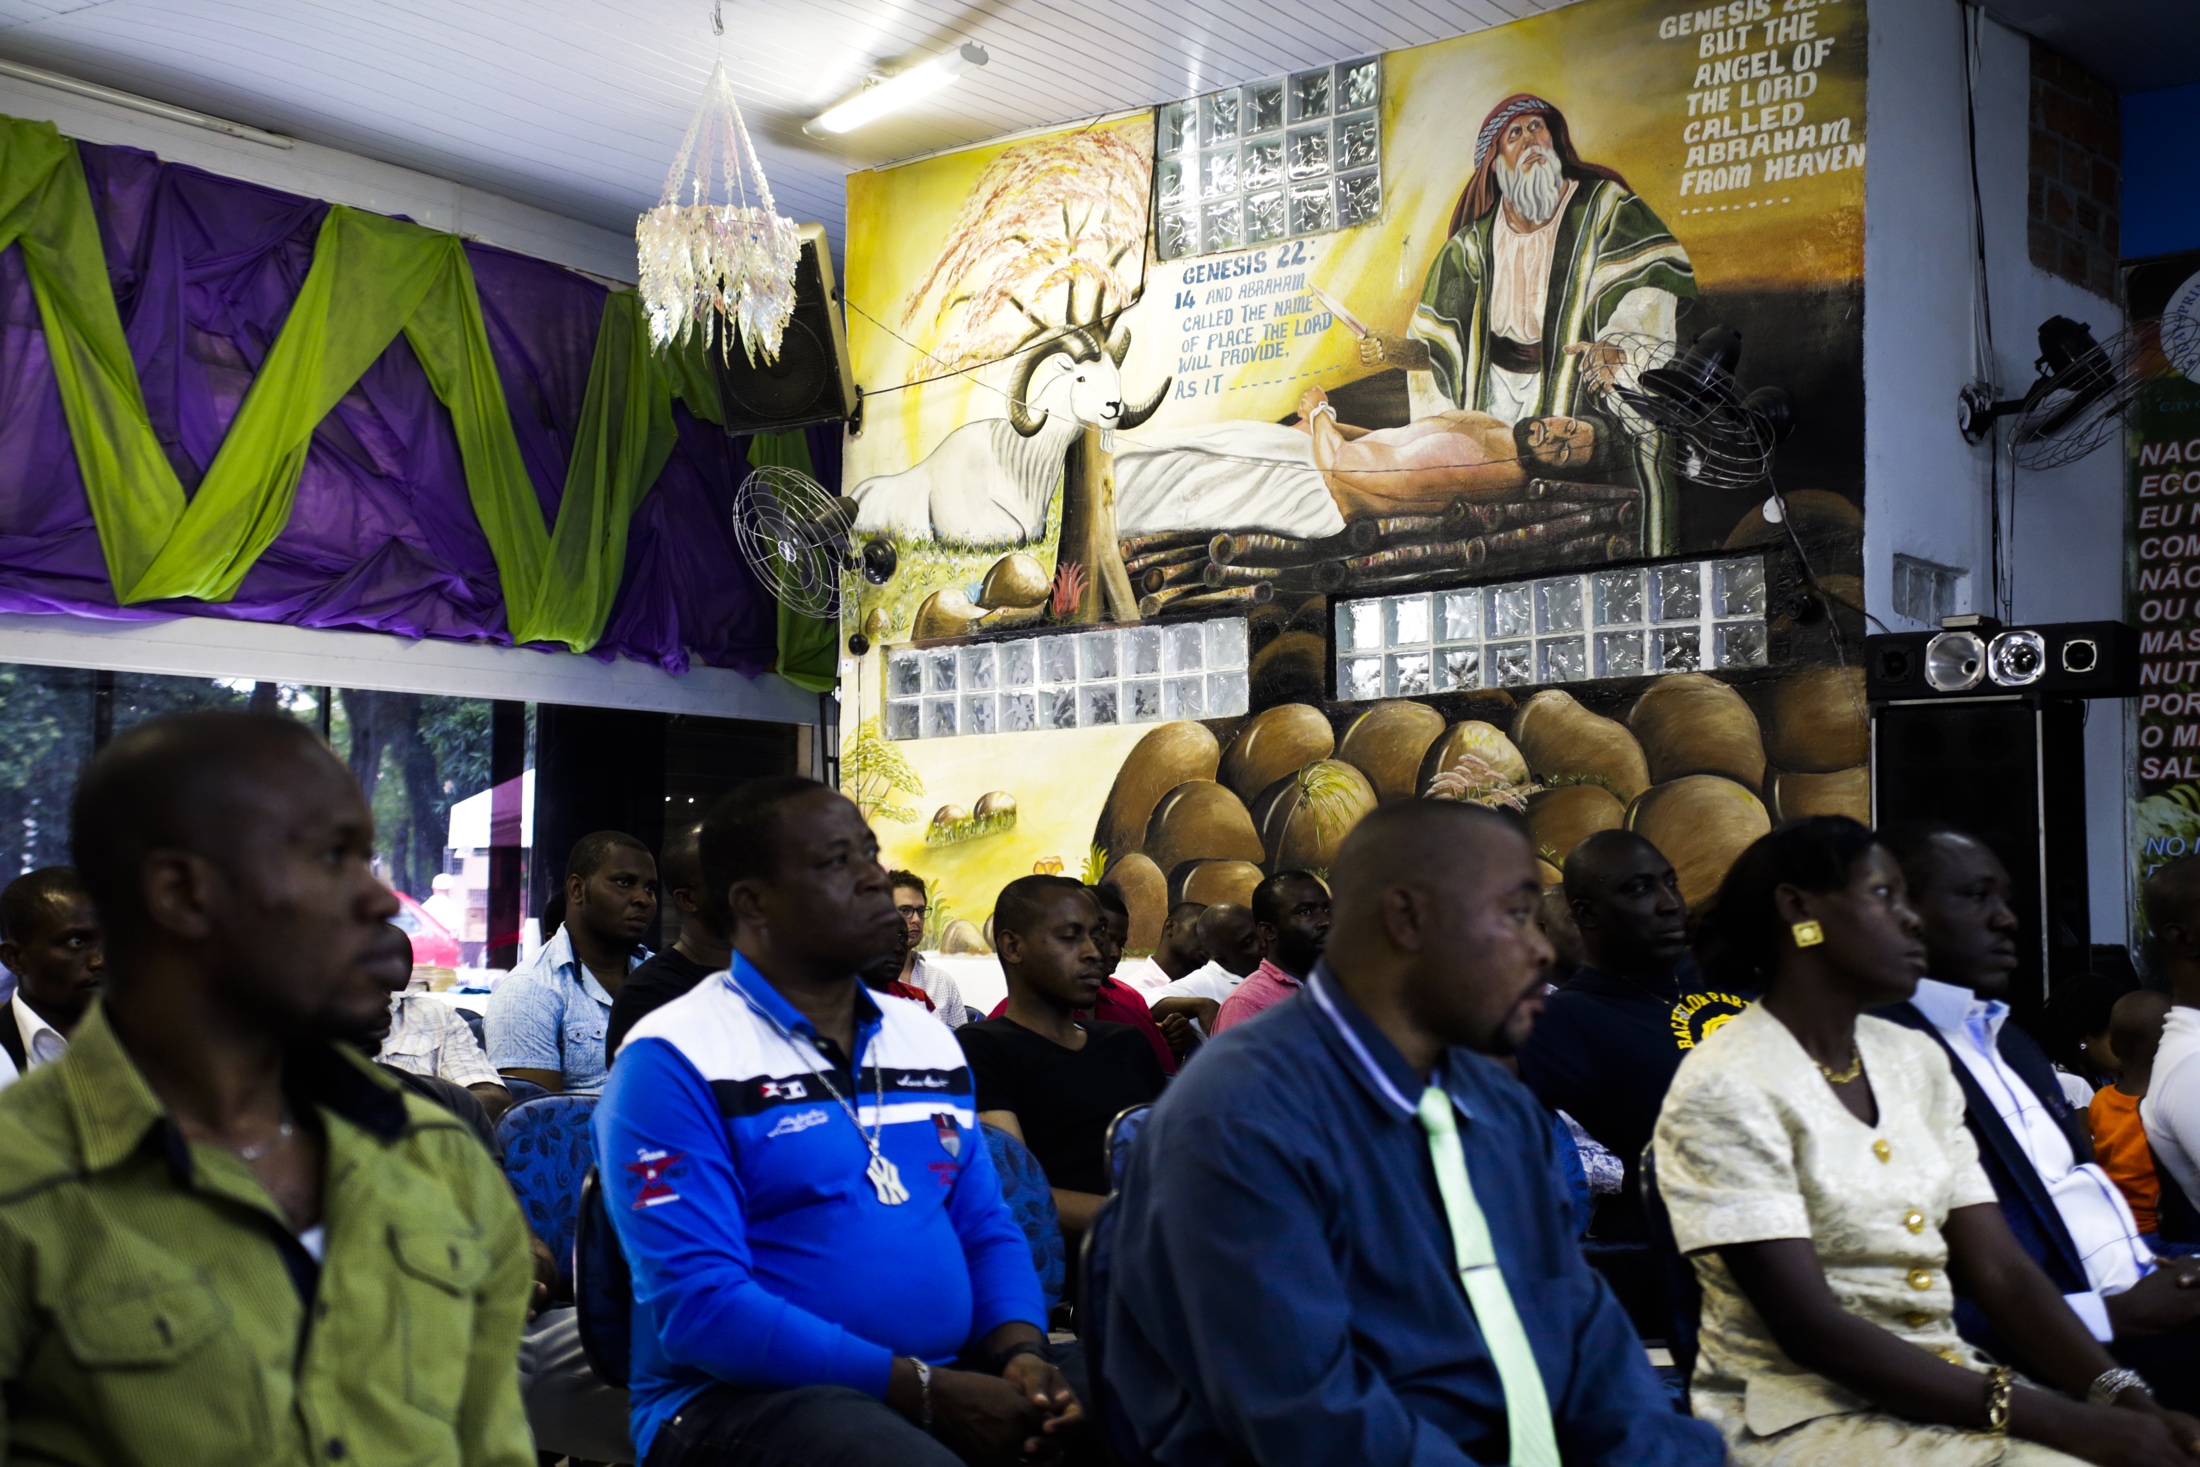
2072, 226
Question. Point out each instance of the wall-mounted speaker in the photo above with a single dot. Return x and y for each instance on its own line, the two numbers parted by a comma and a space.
1972, 657
810, 382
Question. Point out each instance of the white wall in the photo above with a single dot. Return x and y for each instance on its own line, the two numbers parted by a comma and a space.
341, 178
1925, 488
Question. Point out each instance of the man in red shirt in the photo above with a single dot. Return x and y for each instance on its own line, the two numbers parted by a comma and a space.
1291, 912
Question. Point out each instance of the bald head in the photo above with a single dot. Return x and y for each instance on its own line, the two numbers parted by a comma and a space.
1229, 936
231, 858
1434, 929
2135, 1030
2172, 897
1626, 902
195, 782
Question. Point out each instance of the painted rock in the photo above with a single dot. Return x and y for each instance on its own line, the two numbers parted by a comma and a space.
1560, 819
1219, 881
1162, 760
1816, 721
1701, 822
1388, 743
1272, 743
1843, 792
1557, 736
1199, 820
1146, 892
1474, 740
1691, 723
1305, 816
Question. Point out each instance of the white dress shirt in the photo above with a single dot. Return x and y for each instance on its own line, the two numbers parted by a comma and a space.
42, 1042
940, 986
2092, 1206
1211, 981
430, 1037
2170, 1112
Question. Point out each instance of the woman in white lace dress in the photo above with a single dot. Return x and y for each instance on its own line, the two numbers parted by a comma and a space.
1817, 1169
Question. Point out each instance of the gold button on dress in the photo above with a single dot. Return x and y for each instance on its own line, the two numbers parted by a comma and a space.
1914, 1220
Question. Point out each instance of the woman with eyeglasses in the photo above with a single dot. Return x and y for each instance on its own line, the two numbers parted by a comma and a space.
1817, 1171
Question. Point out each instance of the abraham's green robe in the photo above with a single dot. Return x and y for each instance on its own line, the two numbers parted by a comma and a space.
1609, 243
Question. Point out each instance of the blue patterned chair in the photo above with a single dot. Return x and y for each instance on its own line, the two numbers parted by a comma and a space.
548, 1146
1031, 1201
522, 1090
1122, 1135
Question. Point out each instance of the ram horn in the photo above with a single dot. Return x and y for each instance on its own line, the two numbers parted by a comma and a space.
1136, 413
1119, 343
1020, 415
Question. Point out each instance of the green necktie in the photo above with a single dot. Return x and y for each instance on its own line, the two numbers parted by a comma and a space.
1527, 1409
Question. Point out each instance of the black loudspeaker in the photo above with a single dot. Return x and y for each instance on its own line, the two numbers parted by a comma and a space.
1972, 657
2011, 771
810, 381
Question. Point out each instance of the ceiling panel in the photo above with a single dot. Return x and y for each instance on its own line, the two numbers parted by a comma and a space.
577, 106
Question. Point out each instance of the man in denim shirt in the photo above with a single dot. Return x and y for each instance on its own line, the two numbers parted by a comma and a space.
546, 1021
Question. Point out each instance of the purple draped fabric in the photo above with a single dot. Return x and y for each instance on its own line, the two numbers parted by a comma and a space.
382, 536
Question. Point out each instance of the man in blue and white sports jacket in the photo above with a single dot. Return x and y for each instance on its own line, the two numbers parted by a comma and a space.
824, 1269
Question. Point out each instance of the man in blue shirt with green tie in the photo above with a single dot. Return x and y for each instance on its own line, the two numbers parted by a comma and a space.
1345, 1237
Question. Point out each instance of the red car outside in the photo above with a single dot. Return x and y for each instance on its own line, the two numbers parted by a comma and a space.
433, 944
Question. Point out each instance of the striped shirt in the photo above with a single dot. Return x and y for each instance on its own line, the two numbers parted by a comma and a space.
763, 1253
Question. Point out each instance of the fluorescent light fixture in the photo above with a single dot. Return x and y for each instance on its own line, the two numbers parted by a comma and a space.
898, 91
145, 105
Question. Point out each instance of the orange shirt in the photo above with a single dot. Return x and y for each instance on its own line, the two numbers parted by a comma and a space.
2121, 1143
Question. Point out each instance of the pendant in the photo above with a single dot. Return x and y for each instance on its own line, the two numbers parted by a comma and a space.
886, 1178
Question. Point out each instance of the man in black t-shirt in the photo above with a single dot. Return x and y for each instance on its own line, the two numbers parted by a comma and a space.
704, 947
1050, 1079
1608, 1042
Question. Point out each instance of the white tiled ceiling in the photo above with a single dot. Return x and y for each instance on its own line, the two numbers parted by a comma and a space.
578, 105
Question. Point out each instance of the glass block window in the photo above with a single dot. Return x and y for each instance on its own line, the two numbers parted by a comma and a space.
1277, 159
1094, 678
1634, 621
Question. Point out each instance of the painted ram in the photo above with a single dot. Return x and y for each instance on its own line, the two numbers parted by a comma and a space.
990, 481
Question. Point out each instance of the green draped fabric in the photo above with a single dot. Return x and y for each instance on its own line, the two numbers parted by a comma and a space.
809, 646
46, 208
372, 277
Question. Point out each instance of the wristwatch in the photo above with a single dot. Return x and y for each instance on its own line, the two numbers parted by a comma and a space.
2110, 1384
924, 1393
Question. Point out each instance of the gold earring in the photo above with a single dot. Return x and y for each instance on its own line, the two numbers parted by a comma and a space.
1808, 934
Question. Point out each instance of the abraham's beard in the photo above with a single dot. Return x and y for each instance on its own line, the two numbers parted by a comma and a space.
1534, 188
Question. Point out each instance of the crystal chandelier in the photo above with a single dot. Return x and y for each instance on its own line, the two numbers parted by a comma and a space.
716, 256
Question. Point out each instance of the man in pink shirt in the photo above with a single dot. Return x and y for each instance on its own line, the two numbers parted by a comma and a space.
1291, 912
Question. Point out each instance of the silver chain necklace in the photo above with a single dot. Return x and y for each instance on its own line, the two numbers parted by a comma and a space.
283, 1132
881, 1173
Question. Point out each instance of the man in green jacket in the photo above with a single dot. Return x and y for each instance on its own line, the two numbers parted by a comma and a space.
223, 1237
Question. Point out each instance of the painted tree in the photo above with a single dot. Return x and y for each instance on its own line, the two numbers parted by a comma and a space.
1047, 251
873, 772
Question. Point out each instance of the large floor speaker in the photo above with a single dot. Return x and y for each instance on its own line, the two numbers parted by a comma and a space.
2010, 771
810, 382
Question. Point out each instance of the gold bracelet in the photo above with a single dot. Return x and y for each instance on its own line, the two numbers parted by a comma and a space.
2001, 1384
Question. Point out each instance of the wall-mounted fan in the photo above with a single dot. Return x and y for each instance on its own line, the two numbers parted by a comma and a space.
1722, 436
795, 536
2077, 402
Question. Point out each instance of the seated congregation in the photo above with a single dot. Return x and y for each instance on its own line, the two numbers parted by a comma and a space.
1316, 1199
